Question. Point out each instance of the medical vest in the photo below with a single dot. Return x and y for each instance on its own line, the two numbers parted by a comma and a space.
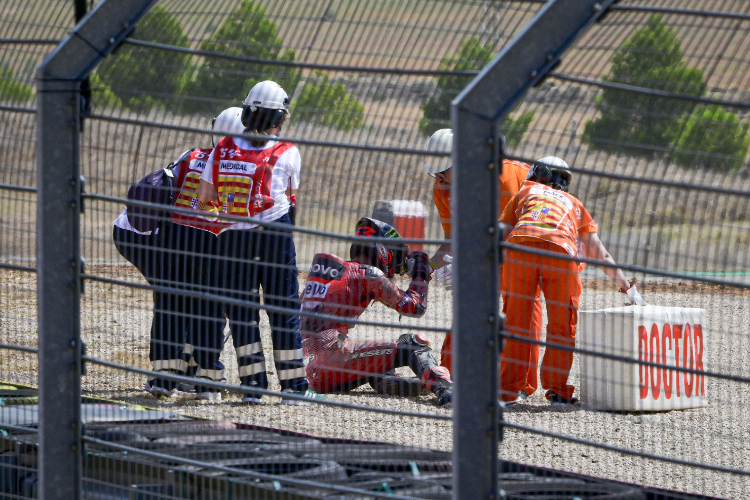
243, 178
189, 178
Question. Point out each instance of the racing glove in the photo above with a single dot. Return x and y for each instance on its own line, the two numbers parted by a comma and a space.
633, 296
444, 275
418, 266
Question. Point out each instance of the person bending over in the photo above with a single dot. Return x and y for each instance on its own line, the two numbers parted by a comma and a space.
547, 222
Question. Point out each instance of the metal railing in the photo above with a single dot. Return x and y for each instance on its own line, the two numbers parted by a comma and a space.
679, 227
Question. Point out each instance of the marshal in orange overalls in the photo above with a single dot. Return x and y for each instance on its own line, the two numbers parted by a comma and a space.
549, 220
510, 181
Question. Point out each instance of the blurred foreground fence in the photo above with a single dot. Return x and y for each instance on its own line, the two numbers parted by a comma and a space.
647, 101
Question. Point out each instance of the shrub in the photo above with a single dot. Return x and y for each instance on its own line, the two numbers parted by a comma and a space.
103, 95
12, 90
436, 111
637, 123
514, 130
710, 137
143, 77
328, 104
246, 32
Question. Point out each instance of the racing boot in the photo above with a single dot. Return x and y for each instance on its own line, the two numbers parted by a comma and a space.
438, 380
392, 384
415, 350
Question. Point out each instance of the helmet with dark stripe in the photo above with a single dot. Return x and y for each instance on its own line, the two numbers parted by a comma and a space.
386, 256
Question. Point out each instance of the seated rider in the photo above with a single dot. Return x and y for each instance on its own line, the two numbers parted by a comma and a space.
344, 289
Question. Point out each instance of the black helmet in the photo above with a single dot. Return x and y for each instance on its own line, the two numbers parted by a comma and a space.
388, 257
552, 171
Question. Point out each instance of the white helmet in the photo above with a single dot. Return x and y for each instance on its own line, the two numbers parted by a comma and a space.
228, 123
440, 141
267, 94
552, 171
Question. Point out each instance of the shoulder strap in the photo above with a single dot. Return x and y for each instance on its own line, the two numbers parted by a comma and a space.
278, 150
183, 171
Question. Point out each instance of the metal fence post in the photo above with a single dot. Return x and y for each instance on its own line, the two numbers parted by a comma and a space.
58, 288
59, 80
475, 116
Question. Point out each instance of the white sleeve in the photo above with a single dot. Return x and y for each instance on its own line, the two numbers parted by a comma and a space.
178, 163
208, 172
290, 161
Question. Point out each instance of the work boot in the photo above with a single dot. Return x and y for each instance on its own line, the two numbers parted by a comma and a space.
557, 400
522, 396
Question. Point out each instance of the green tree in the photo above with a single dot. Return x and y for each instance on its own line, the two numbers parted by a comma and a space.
103, 95
11, 90
514, 130
247, 33
328, 104
436, 111
143, 77
710, 137
637, 123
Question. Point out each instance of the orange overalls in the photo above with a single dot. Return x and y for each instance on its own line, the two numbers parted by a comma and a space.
549, 220
510, 181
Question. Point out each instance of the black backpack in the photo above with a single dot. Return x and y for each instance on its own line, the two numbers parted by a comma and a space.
159, 187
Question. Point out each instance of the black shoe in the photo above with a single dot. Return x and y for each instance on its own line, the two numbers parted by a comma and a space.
557, 400
156, 389
522, 396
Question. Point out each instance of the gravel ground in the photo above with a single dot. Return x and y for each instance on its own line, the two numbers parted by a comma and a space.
115, 321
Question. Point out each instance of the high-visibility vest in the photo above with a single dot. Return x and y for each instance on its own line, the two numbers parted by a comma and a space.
242, 178
190, 173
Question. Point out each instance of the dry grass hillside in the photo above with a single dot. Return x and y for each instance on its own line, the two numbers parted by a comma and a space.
642, 223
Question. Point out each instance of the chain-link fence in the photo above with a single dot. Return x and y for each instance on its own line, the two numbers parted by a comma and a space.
649, 109
192, 326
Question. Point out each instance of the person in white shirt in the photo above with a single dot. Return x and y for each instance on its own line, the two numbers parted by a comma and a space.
250, 179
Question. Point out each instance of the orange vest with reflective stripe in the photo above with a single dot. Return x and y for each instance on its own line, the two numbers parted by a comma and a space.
539, 212
510, 181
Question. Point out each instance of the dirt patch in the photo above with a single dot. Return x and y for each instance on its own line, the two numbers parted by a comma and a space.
687, 288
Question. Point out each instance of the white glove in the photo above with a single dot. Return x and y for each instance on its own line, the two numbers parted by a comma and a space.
633, 296
444, 275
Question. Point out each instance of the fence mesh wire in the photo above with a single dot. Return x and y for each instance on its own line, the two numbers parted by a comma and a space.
665, 177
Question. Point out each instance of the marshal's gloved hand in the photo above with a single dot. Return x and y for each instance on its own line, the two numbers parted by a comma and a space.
633, 296
444, 275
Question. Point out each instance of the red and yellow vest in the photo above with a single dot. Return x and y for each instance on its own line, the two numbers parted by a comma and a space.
189, 179
242, 178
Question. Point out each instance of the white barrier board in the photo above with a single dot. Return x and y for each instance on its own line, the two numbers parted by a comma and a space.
671, 336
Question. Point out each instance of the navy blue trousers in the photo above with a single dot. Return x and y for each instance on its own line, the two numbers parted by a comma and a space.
264, 259
188, 264
147, 254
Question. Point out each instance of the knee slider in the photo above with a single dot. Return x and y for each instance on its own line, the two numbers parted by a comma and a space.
407, 345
